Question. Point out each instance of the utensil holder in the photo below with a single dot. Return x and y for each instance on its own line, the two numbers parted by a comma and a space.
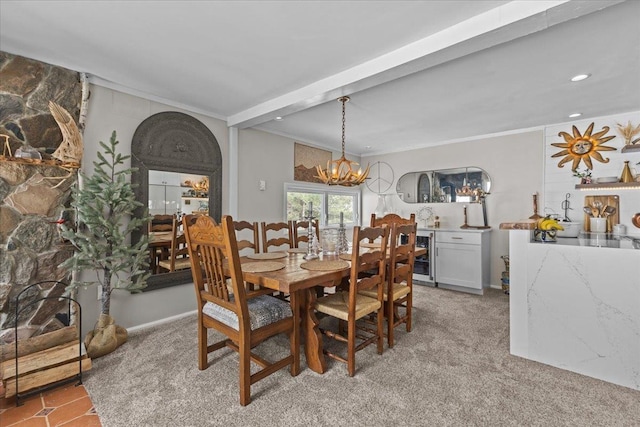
598, 225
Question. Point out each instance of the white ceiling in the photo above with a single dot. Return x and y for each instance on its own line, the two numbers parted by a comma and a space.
418, 72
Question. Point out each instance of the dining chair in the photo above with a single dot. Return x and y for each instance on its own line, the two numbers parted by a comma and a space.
391, 218
161, 222
301, 232
398, 291
248, 230
350, 305
246, 319
178, 258
276, 229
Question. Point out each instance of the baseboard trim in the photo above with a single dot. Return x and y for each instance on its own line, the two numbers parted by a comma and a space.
160, 321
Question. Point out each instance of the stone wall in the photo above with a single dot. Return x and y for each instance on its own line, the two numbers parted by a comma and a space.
26, 87
34, 197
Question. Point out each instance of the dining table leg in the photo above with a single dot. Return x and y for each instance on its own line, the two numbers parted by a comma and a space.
295, 342
312, 336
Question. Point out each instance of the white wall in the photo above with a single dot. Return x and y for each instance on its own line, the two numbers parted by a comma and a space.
267, 157
560, 181
514, 163
110, 110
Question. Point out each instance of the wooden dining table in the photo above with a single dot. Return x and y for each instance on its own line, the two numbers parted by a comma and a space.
300, 284
159, 240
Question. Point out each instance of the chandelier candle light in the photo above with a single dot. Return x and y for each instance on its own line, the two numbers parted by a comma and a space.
340, 172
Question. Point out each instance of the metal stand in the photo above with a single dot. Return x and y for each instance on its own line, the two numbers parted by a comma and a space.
343, 243
535, 207
311, 252
464, 212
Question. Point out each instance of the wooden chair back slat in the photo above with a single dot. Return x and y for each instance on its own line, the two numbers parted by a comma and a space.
178, 250
402, 253
207, 243
401, 266
161, 222
244, 228
276, 227
390, 219
373, 262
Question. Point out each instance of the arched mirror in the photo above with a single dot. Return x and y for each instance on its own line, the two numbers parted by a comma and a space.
179, 170
461, 185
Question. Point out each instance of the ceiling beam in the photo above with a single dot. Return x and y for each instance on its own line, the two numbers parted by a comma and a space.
500, 25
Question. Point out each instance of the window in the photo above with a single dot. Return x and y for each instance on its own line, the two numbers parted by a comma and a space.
328, 203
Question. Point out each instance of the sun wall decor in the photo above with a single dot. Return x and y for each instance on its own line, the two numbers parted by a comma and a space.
582, 147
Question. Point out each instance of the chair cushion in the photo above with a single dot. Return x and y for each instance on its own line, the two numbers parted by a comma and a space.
399, 290
337, 305
180, 264
263, 310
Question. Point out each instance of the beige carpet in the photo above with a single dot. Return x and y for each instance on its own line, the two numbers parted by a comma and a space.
453, 369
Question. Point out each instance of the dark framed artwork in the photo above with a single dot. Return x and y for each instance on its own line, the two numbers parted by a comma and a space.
305, 160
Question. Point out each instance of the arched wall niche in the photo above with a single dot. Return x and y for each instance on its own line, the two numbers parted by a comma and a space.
175, 142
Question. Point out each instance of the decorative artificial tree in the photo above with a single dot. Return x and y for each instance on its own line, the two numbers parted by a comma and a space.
104, 205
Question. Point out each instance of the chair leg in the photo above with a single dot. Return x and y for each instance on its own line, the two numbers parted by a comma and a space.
391, 320
245, 372
409, 307
351, 348
294, 336
203, 361
380, 329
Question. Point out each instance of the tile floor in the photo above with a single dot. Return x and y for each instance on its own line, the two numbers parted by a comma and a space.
68, 406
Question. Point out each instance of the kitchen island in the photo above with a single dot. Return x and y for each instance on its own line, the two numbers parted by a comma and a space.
575, 303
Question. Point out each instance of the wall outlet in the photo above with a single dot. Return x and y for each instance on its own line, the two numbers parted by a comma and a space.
262, 185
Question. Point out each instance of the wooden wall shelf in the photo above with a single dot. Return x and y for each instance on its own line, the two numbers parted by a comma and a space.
612, 185
630, 148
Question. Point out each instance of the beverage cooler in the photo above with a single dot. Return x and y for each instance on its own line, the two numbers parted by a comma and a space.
424, 267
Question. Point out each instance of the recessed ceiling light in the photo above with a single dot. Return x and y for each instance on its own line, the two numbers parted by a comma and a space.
575, 115
279, 118
367, 147
580, 77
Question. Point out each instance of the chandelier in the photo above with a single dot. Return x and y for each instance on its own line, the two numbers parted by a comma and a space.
340, 172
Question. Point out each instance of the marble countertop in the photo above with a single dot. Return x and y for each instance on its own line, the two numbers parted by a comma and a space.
598, 240
525, 224
601, 240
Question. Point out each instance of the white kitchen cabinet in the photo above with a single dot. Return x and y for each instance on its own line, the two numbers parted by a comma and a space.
462, 260
164, 199
164, 178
